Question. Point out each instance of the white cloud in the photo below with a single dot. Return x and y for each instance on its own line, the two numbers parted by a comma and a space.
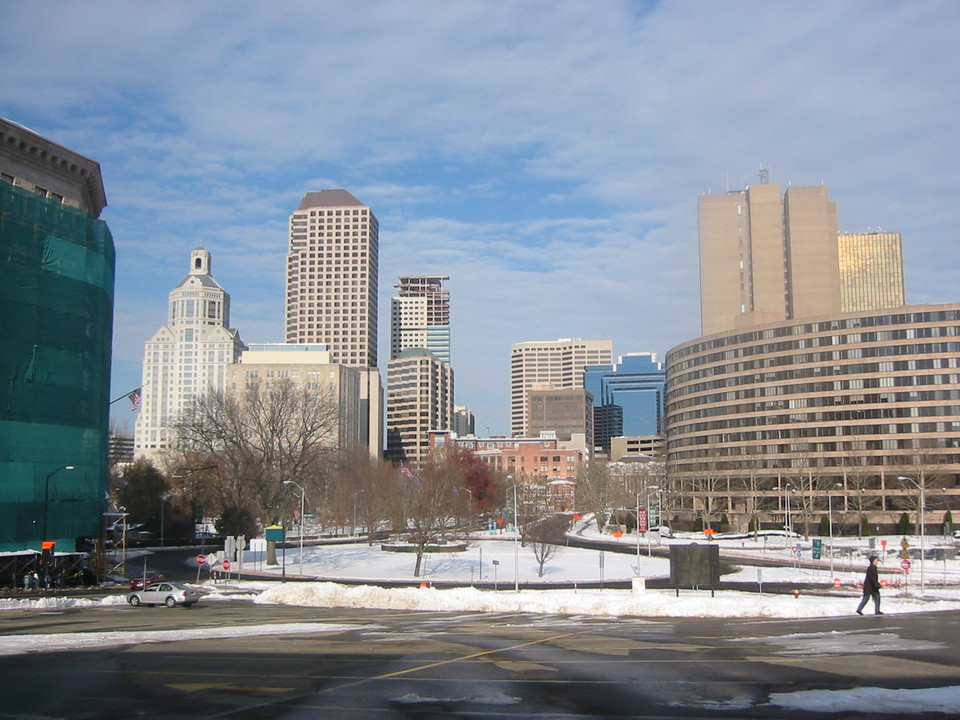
520, 148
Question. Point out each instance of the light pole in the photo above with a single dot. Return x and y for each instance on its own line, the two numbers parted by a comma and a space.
163, 502
516, 539
649, 549
638, 533
516, 543
46, 497
920, 486
303, 495
830, 523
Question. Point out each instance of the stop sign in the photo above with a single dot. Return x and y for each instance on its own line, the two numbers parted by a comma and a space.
226, 564
201, 559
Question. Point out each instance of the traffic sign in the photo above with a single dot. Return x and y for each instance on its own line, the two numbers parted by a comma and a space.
226, 564
905, 564
201, 559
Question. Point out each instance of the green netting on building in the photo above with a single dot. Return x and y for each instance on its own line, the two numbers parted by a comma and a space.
56, 310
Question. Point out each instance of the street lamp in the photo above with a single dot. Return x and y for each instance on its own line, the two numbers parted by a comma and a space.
920, 486
830, 523
46, 497
516, 540
163, 503
657, 488
303, 495
638, 533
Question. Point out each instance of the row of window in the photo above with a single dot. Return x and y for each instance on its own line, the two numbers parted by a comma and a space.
829, 386
855, 323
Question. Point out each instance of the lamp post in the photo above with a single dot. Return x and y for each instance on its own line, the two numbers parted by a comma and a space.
830, 523
920, 486
657, 488
303, 494
638, 533
46, 497
163, 503
516, 539
516, 543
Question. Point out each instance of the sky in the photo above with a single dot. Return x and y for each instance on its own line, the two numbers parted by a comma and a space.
546, 155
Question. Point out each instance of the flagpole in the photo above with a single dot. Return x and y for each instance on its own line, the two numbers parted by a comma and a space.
125, 395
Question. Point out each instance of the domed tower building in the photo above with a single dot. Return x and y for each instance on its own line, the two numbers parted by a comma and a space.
187, 357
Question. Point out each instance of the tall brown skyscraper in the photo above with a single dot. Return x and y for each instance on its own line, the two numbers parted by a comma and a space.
332, 266
871, 271
765, 258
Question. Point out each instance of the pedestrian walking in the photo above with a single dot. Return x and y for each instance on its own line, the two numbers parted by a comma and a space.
871, 587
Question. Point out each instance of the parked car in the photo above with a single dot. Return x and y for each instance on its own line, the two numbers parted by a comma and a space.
138, 583
170, 594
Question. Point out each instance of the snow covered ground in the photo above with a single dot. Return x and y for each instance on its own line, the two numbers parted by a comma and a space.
500, 559
839, 594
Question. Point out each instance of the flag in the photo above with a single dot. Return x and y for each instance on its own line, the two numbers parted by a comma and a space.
134, 396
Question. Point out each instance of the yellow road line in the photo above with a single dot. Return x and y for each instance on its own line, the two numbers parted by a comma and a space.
472, 656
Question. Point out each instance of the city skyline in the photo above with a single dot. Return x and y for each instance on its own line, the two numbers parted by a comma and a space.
557, 190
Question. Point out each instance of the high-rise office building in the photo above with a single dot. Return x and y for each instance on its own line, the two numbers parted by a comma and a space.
628, 397
332, 271
308, 369
765, 258
420, 316
871, 271
187, 357
556, 364
56, 301
419, 399
562, 414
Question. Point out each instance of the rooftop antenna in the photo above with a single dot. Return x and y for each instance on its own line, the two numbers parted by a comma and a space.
764, 176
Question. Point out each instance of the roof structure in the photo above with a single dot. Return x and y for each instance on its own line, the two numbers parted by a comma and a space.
329, 198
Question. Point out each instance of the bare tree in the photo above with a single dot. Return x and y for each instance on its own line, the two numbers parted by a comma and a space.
597, 489
430, 505
261, 437
540, 536
367, 488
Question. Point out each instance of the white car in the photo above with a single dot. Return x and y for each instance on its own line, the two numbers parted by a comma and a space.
166, 593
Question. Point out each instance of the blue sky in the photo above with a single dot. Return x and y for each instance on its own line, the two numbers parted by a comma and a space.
546, 155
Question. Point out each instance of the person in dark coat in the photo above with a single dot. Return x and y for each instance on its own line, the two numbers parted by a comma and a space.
871, 587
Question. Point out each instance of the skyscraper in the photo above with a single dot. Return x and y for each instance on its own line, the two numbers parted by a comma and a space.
628, 397
764, 258
187, 357
420, 316
871, 271
332, 272
56, 301
419, 399
550, 364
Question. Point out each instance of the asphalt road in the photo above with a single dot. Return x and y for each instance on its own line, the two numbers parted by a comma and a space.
371, 665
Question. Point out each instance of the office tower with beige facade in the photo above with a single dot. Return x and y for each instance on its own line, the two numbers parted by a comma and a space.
766, 257
419, 399
331, 290
871, 271
550, 364
332, 272
420, 315
187, 357
309, 369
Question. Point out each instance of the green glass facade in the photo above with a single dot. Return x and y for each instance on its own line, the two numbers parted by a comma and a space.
56, 308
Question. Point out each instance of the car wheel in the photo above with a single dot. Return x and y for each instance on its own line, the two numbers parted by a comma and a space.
133, 600
171, 602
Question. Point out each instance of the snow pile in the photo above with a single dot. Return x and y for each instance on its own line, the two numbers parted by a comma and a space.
604, 603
